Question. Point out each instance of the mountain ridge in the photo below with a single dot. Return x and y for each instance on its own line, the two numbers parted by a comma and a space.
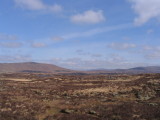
36, 67
147, 69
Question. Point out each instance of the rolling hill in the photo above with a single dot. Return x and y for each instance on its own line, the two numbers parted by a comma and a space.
31, 67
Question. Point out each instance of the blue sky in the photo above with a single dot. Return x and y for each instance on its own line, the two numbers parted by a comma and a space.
86, 34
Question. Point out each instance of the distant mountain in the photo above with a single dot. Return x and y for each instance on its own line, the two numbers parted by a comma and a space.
136, 70
150, 69
31, 67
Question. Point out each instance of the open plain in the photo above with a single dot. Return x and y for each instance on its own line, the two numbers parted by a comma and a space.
46, 96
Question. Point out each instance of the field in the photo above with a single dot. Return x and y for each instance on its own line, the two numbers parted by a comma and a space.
43, 96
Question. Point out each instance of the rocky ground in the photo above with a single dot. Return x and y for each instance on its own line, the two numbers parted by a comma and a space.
38, 96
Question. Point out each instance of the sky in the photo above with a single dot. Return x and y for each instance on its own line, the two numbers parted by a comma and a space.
81, 35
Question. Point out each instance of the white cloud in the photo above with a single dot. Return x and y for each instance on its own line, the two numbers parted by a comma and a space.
88, 17
121, 46
31, 4
146, 10
38, 5
55, 8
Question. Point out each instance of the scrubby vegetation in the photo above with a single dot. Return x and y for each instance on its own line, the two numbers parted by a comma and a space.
44, 96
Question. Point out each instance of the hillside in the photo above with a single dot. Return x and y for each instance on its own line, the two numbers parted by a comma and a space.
31, 67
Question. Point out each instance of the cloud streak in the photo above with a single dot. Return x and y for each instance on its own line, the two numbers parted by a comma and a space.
96, 31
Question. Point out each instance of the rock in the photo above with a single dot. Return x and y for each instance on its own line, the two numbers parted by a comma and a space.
116, 117
153, 104
57, 97
92, 112
64, 94
115, 94
67, 111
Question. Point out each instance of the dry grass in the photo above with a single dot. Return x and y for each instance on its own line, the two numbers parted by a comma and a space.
119, 79
154, 81
85, 84
113, 89
18, 79
50, 111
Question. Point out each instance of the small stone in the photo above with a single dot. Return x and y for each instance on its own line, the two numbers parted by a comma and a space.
67, 111
92, 112
153, 104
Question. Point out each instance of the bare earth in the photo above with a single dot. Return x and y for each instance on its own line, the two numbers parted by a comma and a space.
36, 96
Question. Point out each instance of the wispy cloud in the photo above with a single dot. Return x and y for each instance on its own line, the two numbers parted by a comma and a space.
38, 5
126, 38
38, 45
11, 44
151, 52
150, 31
113, 62
96, 31
122, 46
57, 38
93, 55
15, 58
8, 37
146, 10
153, 55
88, 17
